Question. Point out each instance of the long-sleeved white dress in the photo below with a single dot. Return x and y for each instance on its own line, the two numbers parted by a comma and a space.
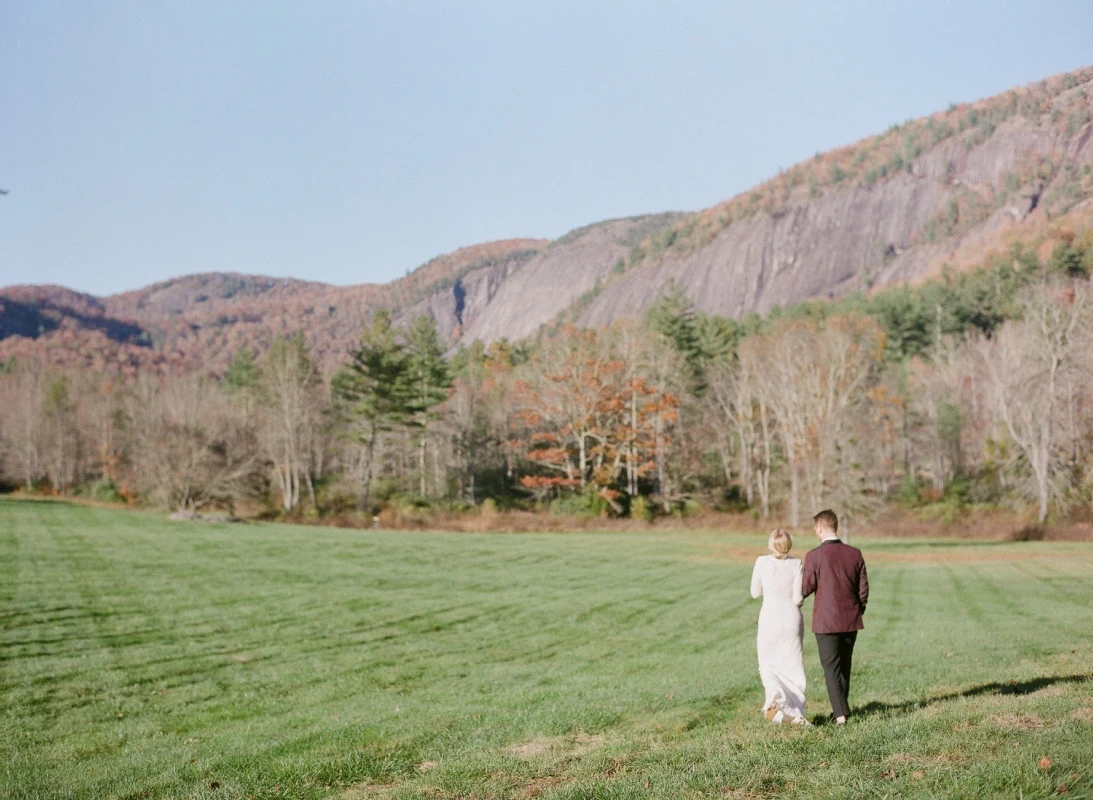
781, 629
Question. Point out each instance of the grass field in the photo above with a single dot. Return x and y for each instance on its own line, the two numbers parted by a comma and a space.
147, 658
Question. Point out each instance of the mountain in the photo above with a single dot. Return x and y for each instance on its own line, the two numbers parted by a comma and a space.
514, 297
203, 320
940, 191
33, 311
896, 207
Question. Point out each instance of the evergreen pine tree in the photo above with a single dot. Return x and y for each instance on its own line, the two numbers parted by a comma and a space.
429, 379
373, 392
700, 338
242, 372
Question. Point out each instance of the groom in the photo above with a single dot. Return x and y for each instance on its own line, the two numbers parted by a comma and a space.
836, 573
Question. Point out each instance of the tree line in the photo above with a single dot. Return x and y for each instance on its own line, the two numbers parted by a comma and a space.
977, 388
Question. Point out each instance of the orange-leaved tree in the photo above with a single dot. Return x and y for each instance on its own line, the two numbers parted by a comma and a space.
588, 416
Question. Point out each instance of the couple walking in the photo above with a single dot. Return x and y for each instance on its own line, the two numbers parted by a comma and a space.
835, 573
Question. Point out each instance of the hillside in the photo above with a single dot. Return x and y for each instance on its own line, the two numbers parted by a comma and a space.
897, 207
202, 320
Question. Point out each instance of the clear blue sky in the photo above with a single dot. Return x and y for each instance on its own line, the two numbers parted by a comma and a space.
350, 142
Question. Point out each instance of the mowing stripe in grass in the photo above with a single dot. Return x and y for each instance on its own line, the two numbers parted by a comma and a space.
294, 662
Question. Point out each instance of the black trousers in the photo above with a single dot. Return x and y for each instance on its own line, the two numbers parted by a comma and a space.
837, 654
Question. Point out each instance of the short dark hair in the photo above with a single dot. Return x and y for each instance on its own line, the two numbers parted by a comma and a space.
827, 519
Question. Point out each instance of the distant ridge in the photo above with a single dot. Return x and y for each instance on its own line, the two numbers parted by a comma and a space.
941, 190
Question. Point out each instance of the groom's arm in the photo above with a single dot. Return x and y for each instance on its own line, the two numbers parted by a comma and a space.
863, 586
808, 579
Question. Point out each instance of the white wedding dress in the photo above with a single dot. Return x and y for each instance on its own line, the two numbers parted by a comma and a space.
781, 629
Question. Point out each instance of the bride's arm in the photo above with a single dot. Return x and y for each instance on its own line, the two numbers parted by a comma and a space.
757, 580
798, 577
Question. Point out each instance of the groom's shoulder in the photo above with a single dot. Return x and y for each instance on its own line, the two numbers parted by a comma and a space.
855, 551
837, 549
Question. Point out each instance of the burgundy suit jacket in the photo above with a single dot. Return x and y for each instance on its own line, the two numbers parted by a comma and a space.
835, 572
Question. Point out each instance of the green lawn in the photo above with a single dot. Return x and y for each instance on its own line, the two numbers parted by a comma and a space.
147, 658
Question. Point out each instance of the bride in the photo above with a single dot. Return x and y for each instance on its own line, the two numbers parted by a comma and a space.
777, 579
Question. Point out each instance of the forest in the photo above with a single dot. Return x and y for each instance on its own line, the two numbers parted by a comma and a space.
972, 389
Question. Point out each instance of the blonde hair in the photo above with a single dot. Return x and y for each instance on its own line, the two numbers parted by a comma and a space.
780, 543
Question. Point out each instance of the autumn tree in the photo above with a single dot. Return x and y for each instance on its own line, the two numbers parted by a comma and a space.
591, 413
562, 399
658, 375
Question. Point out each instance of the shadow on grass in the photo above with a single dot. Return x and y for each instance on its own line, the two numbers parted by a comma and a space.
1008, 688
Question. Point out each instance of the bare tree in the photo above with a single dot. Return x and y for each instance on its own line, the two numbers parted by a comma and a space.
665, 376
1030, 364
733, 390
190, 447
41, 431
290, 385
812, 378
467, 415
22, 409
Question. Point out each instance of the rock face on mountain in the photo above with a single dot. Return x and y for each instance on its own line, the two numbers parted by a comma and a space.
566, 269
895, 207
461, 298
855, 236
513, 297
942, 190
